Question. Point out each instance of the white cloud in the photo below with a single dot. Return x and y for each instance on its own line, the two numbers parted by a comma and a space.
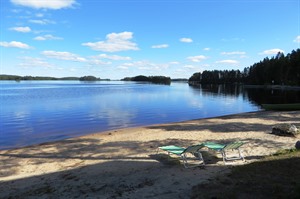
113, 57
189, 66
174, 63
45, 4
39, 15
15, 44
227, 61
63, 56
114, 42
233, 53
206, 49
145, 68
186, 40
47, 37
147, 65
123, 67
128, 64
34, 62
21, 29
160, 46
297, 39
42, 21
95, 61
197, 58
205, 65
272, 51
16, 10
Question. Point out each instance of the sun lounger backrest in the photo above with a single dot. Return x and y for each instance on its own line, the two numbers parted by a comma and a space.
172, 149
234, 145
214, 146
193, 148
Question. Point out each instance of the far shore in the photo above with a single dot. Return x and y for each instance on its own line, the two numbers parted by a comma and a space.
125, 164
287, 87
178, 80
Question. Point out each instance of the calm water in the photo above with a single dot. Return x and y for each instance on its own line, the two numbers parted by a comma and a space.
40, 111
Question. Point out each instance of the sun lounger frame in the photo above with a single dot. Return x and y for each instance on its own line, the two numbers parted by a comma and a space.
182, 152
223, 149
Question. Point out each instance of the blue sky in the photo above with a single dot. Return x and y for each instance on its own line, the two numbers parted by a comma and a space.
116, 39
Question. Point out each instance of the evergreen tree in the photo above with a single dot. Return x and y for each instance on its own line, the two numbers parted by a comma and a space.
278, 70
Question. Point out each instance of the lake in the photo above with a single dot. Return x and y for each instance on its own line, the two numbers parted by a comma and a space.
34, 112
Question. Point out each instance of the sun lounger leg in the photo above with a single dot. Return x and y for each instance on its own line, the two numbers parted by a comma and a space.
201, 158
241, 155
186, 164
224, 156
183, 156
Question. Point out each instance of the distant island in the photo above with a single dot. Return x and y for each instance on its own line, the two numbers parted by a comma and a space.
140, 78
152, 79
19, 78
89, 78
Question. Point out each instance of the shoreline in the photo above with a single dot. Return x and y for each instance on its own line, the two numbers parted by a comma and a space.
282, 87
120, 129
123, 163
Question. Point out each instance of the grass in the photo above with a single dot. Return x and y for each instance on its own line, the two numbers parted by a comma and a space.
276, 176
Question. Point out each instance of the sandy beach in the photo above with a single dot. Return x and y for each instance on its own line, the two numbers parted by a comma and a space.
125, 164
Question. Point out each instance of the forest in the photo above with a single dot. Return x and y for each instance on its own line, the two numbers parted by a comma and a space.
152, 79
278, 70
89, 78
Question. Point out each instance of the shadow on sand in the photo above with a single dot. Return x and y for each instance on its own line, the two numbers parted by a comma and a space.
96, 172
94, 168
225, 126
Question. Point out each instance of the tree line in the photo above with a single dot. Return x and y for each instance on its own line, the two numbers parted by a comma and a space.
216, 77
19, 78
89, 78
278, 70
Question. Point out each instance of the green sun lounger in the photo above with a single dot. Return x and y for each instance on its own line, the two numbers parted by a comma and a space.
183, 152
224, 148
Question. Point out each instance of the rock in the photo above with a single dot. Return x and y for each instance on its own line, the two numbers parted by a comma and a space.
297, 145
285, 130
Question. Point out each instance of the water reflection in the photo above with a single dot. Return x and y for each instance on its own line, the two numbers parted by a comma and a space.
41, 111
226, 90
254, 95
273, 96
